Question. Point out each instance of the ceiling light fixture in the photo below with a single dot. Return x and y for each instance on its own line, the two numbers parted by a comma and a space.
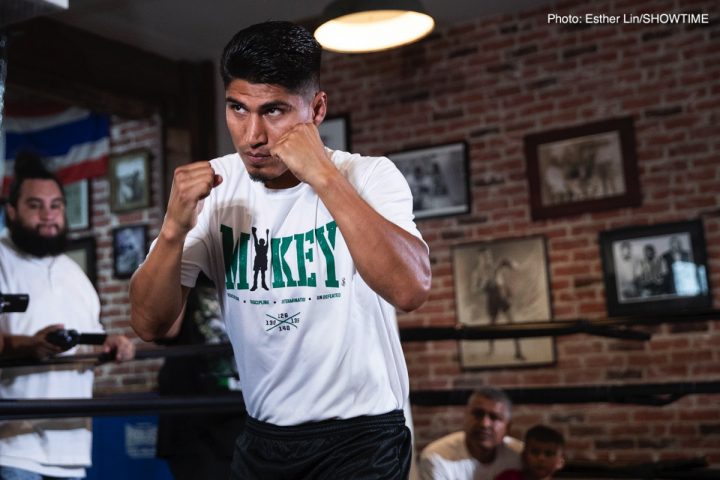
361, 26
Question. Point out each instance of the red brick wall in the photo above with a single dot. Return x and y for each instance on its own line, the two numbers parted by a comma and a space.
490, 82
126, 135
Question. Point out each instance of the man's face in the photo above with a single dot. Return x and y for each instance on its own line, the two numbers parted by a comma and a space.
486, 423
542, 459
258, 115
675, 244
625, 251
37, 224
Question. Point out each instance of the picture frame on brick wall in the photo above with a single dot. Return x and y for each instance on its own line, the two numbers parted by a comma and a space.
585, 168
656, 270
82, 251
335, 132
77, 204
129, 176
129, 249
492, 287
438, 178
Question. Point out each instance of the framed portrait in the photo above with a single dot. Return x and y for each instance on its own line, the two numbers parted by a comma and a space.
502, 282
129, 249
335, 132
129, 176
438, 179
586, 168
77, 204
656, 269
82, 251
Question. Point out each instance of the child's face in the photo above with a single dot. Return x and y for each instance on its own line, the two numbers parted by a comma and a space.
542, 459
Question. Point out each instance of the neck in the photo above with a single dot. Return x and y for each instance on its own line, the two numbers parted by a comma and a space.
481, 454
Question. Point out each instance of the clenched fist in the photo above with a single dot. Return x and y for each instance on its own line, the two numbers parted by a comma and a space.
191, 184
303, 153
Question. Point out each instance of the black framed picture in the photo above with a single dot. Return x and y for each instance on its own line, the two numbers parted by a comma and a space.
129, 249
657, 269
581, 169
129, 175
77, 204
335, 132
438, 179
82, 251
492, 287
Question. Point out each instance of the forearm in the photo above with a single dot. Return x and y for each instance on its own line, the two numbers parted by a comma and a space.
15, 346
393, 262
156, 294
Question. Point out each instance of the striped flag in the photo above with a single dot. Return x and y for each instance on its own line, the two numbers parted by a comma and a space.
75, 142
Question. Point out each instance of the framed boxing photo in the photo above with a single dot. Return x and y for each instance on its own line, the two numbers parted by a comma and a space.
438, 179
82, 251
130, 246
77, 204
493, 287
585, 168
335, 132
657, 269
129, 175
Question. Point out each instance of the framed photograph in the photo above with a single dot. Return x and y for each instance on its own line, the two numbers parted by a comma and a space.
82, 251
129, 249
335, 133
582, 169
500, 282
656, 269
77, 204
129, 176
438, 178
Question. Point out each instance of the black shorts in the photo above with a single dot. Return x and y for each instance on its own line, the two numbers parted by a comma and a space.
371, 447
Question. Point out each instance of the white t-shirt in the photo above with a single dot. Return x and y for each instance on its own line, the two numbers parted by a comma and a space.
448, 459
59, 293
318, 343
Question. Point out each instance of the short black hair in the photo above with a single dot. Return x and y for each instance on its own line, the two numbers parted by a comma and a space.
494, 394
29, 166
275, 53
542, 433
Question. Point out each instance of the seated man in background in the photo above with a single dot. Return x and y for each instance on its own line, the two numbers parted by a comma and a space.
481, 450
61, 296
541, 457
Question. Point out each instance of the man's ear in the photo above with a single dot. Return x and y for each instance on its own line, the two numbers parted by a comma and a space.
11, 212
319, 107
560, 462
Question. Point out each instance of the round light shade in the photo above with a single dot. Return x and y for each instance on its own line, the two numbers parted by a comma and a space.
382, 25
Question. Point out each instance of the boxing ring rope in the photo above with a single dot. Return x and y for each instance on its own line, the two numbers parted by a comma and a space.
642, 394
654, 394
616, 327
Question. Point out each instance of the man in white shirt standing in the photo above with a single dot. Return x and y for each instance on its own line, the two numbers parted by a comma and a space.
482, 449
61, 296
318, 352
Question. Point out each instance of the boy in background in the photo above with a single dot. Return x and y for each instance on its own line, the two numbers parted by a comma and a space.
542, 455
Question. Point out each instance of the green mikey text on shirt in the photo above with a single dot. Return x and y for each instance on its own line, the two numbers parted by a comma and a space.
288, 271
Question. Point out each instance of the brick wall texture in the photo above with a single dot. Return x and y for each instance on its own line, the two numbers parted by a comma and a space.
489, 82
125, 136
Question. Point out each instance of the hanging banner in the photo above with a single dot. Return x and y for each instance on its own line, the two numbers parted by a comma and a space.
74, 142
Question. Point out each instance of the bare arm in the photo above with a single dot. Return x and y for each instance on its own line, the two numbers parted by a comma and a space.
393, 262
157, 298
30, 346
